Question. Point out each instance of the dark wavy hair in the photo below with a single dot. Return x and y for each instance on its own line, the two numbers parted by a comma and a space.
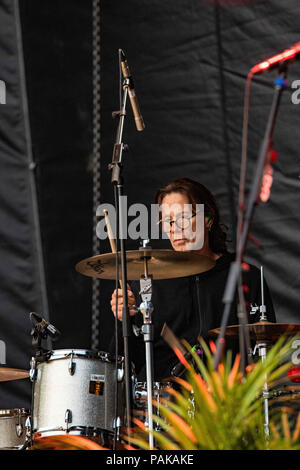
198, 194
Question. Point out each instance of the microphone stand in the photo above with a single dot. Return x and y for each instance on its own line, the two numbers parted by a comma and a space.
117, 180
235, 268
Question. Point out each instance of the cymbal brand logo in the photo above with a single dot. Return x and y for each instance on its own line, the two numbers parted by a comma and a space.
296, 95
2, 92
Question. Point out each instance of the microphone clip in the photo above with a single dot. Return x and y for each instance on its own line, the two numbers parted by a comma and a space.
41, 330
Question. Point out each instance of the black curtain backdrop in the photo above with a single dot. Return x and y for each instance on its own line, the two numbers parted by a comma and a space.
57, 43
20, 286
189, 61
57, 38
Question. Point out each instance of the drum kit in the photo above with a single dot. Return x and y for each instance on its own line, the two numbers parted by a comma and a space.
86, 393
81, 392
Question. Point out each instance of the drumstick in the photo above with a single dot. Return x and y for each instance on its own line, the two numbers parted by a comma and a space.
111, 237
110, 232
172, 340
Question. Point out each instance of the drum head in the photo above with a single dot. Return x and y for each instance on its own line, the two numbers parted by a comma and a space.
82, 353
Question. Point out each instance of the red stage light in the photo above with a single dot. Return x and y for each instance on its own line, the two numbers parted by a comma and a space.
288, 54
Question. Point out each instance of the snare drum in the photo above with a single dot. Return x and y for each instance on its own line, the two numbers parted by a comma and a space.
160, 390
78, 391
13, 427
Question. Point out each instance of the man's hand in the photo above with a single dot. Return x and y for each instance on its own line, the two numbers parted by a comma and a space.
131, 302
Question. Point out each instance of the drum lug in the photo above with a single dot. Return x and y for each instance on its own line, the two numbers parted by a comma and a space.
68, 418
117, 426
33, 370
72, 366
120, 375
28, 427
19, 427
19, 430
117, 422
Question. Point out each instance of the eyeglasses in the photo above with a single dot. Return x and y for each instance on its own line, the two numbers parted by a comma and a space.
182, 222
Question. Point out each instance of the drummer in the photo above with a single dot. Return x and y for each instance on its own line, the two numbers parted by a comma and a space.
191, 305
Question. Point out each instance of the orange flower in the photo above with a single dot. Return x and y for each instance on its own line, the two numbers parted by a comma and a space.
183, 426
181, 358
184, 384
250, 368
233, 373
221, 369
65, 442
202, 386
218, 382
212, 347
128, 447
175, 394
139, 423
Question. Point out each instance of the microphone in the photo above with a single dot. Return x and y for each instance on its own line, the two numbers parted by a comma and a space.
179, 368
44, 327
139, 122
288, 54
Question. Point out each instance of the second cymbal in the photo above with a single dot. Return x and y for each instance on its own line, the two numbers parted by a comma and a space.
162, 264
262, 330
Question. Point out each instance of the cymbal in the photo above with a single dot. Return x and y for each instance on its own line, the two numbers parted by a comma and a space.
262, 330
7, 374
162, 264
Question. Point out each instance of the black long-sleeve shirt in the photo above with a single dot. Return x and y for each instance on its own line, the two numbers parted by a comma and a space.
191, 306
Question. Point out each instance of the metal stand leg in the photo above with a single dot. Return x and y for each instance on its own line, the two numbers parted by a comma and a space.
262, 352
146, 308
148, 334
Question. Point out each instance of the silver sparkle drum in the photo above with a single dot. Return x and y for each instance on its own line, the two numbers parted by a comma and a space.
78, 391
13, 427
160, 391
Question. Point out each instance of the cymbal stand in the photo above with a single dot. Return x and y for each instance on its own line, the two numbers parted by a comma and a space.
262, 309
147, 330
262, 346
235, 268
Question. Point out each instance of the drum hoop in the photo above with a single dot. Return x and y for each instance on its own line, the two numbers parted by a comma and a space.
14, 412
156, 385
82, 353
79, 430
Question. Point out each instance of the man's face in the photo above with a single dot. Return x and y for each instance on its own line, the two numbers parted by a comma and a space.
188, 233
